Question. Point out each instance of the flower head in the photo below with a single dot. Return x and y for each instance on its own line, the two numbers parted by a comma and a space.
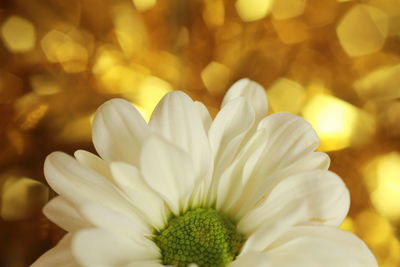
244, 189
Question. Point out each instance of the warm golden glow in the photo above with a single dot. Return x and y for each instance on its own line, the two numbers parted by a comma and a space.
286, 96
383, 175
18, 34
251, 10
21, 197
363, 30
334, 62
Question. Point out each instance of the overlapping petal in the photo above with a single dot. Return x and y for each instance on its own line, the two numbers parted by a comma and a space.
118, 131
320, 246
64, 214
60, 255
98, 247
169, 171
182, 122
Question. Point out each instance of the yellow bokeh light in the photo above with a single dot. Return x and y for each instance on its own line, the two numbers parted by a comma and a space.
348, 225
129, 30
21, 197
149, 93
44, 84
215, 77
286, 96
375, 229
363, 30
337, 122
143, 5
18, 34
61, 48
380, 84
383, 180
251, 10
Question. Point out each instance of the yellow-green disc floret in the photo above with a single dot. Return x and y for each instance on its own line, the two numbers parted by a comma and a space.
202, 236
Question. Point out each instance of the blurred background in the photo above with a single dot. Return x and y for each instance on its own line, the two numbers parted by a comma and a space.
336, 63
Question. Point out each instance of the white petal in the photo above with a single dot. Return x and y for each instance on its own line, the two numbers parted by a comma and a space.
290, 140
78, 184
227, 133
251, 260
118, 131
93, 162
169, 172
98, 247
62, 213
253, 92
204, 114
270, 230
131, 225
320, 246
178, 119
149, 203
322, 193
229, 127
59, 256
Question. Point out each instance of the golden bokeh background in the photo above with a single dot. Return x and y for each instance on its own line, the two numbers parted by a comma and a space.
334, 62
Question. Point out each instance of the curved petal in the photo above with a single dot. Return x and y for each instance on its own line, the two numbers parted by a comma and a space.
320, 246
118, 131
204, 114
149, 203
178, 119
62, 213
169, 171
93, 162
323, 195
98, 247
251, 259
254, 94
226, 135
59, 256
78, 184
290, 139
131, 226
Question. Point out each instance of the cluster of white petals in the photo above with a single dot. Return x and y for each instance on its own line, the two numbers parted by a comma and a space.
261, 171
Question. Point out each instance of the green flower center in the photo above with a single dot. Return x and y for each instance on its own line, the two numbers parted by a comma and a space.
202, 236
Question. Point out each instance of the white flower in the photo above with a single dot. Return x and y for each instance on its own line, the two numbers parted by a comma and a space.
244, 189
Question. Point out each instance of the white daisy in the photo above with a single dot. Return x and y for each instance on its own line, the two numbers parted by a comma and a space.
244, 189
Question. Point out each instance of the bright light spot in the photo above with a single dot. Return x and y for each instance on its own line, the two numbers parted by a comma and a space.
338, 123
363, 30
348, 225
21, 198
149, 93
286, 96
143, 5
251, 10
383, 178
215, 77
18, 34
